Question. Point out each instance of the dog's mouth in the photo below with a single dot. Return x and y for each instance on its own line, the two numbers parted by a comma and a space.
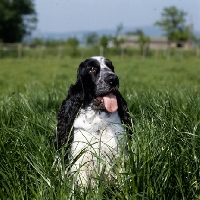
107, 102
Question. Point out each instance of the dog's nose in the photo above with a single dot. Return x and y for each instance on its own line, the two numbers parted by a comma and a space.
112, 80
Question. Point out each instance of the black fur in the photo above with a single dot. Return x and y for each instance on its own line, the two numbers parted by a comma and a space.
81, 94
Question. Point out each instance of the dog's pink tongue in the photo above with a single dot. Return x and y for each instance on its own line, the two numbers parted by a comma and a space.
110, 102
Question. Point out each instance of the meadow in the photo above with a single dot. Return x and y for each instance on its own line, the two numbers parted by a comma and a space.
163, 156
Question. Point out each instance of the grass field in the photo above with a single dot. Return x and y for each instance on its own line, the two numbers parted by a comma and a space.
163, 157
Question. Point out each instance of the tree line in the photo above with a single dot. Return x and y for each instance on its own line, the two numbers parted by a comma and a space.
18, 19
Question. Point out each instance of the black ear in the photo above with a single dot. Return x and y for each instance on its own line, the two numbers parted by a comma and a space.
69, 109
67, 113
88, 85
124, 112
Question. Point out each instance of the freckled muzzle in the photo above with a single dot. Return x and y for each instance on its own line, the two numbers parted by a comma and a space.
106, 86
108, 82
112, 80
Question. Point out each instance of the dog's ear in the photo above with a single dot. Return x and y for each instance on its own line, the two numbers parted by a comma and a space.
88, 86
124, 112
69, 110
82, 70
66, 115
80, 94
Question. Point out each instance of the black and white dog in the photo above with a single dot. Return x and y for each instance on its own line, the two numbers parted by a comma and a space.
91, 118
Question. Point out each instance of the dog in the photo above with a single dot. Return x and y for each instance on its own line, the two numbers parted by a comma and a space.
92, 119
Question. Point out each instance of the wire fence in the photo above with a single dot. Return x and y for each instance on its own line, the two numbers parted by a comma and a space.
19, 50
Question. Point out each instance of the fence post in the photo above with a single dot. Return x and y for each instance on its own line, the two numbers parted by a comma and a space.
42, 51
101, 51
1, 49
168, 53
59, 52
198, 51
180, 53
19, 49
122, 52
156, 53
82, 54
145, 50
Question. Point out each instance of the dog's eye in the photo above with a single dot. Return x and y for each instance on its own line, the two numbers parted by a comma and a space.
92, 70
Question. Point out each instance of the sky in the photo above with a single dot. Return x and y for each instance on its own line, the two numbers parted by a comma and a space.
61, 16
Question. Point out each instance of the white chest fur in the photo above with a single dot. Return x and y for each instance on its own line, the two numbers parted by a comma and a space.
99, 134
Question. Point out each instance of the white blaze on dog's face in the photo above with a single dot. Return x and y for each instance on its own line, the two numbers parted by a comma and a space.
100, 59
106, 84
107, 81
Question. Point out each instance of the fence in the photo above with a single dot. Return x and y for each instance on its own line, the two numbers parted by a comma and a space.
19, 50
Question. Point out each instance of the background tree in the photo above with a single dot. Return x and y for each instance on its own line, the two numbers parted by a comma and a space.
143, 41
104, 40
72, 44
37, 41
173, 24
117, 40
17, 18
137, 32
91, 39
53, 43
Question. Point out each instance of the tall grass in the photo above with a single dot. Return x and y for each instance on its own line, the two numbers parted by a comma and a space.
162, 159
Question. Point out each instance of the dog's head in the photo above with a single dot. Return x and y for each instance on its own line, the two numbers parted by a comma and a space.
100, 82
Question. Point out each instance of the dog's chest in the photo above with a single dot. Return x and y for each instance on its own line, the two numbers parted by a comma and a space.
97, 130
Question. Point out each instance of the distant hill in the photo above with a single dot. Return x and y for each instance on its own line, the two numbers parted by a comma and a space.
148, 30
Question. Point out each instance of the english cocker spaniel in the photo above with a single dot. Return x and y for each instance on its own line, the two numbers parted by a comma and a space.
91, 119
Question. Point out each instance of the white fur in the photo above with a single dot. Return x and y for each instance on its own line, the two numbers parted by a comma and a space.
98, 134
103, 66
101, 61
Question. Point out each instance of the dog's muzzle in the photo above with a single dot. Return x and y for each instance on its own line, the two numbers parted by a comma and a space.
112, 80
